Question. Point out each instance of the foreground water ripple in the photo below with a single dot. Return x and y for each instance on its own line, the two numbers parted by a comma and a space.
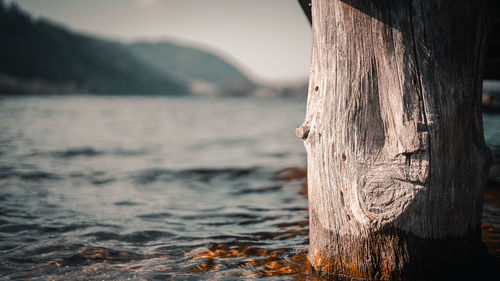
157, 188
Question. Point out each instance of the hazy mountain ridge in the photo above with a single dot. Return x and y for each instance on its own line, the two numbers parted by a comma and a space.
183, 62
205, 73
38, 50
38, 56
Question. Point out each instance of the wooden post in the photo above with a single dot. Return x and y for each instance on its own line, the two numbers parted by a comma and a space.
394, 136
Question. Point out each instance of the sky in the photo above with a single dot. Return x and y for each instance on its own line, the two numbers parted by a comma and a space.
269, 40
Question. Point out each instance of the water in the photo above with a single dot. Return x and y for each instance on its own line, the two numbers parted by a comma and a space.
156, 188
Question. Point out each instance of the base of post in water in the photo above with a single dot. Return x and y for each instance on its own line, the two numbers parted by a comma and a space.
392, 255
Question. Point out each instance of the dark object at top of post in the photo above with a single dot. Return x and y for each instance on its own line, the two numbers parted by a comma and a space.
306, 7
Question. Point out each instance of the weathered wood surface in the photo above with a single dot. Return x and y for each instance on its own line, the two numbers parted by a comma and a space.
393, 133
492, 61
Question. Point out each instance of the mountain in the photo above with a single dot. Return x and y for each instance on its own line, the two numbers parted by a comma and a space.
41, 57
37, 55
204, 72
186, 63
209, 74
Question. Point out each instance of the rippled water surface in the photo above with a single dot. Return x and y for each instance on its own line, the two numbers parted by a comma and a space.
156, 188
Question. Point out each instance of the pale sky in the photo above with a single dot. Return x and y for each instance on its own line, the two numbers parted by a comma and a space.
267, 39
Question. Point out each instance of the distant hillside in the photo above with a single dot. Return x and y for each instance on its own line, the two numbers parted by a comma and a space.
186, 63
36, 55
205, 73
41, 57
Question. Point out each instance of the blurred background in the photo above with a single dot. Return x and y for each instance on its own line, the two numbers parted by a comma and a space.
150, 139
145, 47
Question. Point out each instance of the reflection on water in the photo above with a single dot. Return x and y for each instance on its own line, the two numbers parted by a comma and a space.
159, 188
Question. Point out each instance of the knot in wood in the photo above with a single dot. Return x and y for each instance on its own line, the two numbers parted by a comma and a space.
302, 131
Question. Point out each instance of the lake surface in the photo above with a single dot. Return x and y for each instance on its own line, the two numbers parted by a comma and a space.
157, 188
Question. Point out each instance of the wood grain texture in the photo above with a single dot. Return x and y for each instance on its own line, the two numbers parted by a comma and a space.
396, 153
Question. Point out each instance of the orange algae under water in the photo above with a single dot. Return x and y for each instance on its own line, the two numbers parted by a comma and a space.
254, 261
490, 226
260, 262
